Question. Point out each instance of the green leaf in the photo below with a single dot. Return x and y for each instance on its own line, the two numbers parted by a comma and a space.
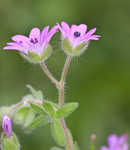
58, 133
37, 94
5, 110
10, 143
66, 110
46, 53
67, 46
35, 58
56, 148
29, 118
39, 121
49, 108
21, 114
37, 108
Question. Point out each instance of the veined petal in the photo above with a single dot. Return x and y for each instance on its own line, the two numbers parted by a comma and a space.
92, 37
35, 35
21, 39
63, 32
92, 31
16, 47
44, 34
65, 26
52, 32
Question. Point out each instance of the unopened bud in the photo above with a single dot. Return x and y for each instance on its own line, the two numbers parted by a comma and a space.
7, 125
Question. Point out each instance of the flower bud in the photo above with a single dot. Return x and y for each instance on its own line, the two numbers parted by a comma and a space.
7, 125
9, 140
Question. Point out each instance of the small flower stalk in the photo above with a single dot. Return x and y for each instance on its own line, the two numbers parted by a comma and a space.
36, 47
116, 143
75, 39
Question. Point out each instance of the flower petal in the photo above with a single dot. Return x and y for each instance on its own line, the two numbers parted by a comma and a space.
112, 140
64, 29
65, 26
35, 34
44, 34
20, 39
104, 148
92, 31
94, 37
52, 32
17, 47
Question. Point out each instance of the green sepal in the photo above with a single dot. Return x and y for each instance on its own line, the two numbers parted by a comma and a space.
9, 143
56, 148
38, 121
79, 49
33, 57
67, 47
36, 93
58, 133
29, 118
66, 110
46, 53
49, 108
21, 114
37, 108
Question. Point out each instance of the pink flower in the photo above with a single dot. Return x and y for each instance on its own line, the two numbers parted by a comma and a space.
116, 143
7, 125
36, 43
77, 34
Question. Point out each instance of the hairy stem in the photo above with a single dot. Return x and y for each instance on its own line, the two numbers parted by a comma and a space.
50, 76
65, 70
61, 100
60, 86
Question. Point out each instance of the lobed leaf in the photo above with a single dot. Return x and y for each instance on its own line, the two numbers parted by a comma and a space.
66, 110
49, 108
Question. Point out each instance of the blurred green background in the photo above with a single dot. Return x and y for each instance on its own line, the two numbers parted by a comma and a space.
99, 79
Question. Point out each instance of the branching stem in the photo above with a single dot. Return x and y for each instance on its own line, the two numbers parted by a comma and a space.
60, 85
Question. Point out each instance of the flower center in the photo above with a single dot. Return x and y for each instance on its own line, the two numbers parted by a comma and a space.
34, 41
77, 34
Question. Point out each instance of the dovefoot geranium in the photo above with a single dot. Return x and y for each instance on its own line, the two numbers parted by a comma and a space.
76, 38
116, 143
7, 125
36, 46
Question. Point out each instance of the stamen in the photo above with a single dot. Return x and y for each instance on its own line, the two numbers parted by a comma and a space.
34, 41
77, 34
20, 42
